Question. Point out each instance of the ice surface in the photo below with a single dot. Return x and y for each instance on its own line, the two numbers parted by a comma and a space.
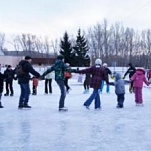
44, 128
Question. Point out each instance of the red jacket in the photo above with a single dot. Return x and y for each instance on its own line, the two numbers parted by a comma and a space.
35, 82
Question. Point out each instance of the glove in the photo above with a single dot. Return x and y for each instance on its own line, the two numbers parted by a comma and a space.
124, 77
41, 78
75, 71
112, 77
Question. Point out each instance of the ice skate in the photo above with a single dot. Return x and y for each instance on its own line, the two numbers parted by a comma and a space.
87, 107
86, 91
63, 109
119, 106
139, 104
26, 106
1, 105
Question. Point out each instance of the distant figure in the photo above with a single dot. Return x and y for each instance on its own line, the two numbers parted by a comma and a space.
48, 83
2, 77
34, 85
138, 78
23, 81
9, 73
149, 74
68, 75
131, 70
86, 83
98, 74
108, 72
119, 89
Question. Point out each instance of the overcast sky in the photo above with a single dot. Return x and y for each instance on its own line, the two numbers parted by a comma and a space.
54, 17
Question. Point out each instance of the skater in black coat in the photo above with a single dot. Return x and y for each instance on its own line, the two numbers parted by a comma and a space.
9, 73
2, 77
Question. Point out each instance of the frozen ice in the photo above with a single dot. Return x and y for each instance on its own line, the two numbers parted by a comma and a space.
44, 128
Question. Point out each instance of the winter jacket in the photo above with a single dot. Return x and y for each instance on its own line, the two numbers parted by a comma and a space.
68, 74
2, 77
138, 78
59, 68
98, 74
108, 71
9, 75
27, 67
35, 82
131, 70
119, 84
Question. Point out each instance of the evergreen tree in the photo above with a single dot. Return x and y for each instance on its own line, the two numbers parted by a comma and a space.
66, 49
81, 49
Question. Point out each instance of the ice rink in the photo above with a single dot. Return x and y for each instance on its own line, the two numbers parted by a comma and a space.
44, 128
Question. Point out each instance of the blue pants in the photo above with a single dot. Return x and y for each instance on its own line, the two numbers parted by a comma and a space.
120, 99
94, 96
25, 93
0, 96
63, 92
107, 87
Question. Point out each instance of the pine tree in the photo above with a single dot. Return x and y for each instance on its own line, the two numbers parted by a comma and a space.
66, 49
81, 49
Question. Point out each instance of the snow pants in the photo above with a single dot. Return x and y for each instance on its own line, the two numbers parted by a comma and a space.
138, 95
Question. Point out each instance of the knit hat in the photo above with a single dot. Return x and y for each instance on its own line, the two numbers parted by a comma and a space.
67, 64
98, 62
28, 58
9, 66
104, 64
60, 57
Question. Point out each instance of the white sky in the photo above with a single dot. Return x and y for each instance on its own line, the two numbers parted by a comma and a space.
54, 17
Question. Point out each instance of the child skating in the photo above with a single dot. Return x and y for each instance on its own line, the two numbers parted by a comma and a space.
138, 78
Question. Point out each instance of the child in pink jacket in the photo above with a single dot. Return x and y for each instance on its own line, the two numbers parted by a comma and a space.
138, 78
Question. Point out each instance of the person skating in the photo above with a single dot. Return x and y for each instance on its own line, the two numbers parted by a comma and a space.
131, 70
98, 74
108, 72
67, 77
59, 67
119, 89
86, 83
23, 81
34, 85
2, 77
138, 79
9, 73
48, 83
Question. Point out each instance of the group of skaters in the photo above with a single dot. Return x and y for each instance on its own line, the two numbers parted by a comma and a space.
95, 77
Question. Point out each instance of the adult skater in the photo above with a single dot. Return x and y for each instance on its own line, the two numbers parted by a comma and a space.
131, 70
48, 83
98, 74
108, 72
59, 67
23, 80
2, 77
9, 74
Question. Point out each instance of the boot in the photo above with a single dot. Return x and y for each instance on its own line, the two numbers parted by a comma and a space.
26, 105
6, 94
1, 105
11, 94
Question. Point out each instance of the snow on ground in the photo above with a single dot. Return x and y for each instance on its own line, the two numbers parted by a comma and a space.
44, 128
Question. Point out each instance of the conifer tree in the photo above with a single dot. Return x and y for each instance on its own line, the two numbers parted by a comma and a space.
81, 49
66, 49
